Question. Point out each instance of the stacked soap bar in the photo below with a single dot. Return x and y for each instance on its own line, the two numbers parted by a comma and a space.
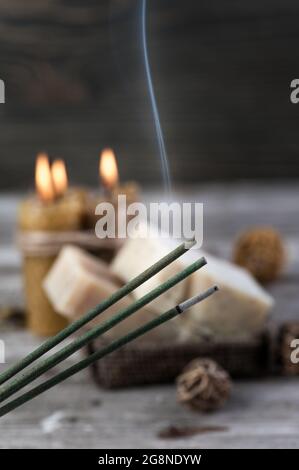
79, 281
238, 311
137, 255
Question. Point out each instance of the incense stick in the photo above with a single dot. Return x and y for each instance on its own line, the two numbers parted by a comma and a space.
34, 392
115, 297
43, 366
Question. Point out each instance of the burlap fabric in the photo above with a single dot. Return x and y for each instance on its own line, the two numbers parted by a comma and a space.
148, 363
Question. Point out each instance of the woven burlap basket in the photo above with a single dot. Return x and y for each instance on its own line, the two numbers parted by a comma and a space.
152, 363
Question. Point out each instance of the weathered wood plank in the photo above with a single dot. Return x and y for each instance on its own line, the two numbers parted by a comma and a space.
75, 83
260, 414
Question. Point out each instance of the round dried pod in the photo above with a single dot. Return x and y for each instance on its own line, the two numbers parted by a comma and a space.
261, 251
203, 385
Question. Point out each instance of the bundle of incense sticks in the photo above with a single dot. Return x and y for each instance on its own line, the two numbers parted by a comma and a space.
21, 380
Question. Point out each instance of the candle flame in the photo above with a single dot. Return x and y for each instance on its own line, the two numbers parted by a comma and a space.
108, 169
43, 178
59, 176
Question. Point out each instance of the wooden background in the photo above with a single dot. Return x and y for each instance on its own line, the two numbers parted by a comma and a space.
222, 70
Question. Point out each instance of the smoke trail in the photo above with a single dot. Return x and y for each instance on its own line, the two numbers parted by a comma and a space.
160, 138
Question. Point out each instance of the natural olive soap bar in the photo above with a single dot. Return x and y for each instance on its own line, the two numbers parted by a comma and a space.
238, 311
78, 281
139, 254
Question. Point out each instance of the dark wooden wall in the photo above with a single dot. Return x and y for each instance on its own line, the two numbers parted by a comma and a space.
75, 83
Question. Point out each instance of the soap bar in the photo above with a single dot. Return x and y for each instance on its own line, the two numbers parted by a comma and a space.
78, 281
238, 311
139, 254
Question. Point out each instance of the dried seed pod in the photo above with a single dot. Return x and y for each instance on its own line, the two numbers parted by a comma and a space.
261, 251
203, 385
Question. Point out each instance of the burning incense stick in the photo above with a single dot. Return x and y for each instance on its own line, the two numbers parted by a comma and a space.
36, 371
115, 297
177, 310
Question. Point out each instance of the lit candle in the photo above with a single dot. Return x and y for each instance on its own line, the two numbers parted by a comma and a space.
109, 179
108, 170
43, 178
52, 209
59, 176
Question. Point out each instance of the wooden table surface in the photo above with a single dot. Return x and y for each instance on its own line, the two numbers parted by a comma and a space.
76, 414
